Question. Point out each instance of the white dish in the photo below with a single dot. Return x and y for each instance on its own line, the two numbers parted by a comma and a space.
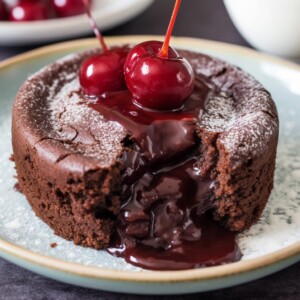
272, 244
108, 13
269, 25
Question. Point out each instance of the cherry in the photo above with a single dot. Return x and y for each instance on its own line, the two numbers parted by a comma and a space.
102, 72
155, 82
3, 12
157, 76
27, 10
68, 8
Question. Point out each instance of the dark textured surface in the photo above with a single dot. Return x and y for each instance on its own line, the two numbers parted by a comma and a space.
16, 283
202, 19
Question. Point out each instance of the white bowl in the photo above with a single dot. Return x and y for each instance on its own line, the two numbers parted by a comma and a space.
108, 13
270, 25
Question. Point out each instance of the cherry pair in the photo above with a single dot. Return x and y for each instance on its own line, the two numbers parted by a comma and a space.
155, 74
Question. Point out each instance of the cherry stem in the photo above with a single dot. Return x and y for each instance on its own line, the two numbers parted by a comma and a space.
164, 51
94, 25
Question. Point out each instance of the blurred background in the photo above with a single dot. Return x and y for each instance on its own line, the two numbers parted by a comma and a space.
273, 28
206, 19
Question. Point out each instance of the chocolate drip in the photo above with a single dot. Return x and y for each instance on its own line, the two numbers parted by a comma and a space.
165, 223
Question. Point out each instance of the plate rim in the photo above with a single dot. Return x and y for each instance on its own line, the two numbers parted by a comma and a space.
94, 272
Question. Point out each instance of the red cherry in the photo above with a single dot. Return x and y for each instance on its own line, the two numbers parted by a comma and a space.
156, 75
68, 8
29, 11
156, 82
3, 12
103, 72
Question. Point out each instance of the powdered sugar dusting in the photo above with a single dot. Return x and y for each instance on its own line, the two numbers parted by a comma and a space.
244, 140
53, 110
241, 110
92, 134
220, 113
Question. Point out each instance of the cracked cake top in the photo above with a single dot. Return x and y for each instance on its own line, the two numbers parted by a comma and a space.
239, 110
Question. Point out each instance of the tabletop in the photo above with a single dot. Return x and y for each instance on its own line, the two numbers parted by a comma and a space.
205, 19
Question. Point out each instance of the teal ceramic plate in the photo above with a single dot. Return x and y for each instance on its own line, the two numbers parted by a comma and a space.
270, 245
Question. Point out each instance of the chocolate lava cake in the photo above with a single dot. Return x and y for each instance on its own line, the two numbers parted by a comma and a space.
71, 158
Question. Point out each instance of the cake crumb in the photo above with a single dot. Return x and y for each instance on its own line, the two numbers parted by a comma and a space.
53, 245
18, 188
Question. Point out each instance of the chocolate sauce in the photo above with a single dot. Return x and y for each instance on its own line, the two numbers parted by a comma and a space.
165, 221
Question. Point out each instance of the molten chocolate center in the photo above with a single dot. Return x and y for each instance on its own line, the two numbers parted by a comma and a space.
165, 221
